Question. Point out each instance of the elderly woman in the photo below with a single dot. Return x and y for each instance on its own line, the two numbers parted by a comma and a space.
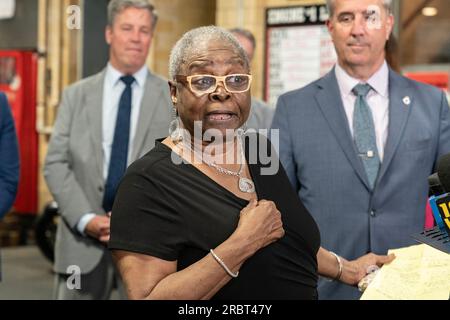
186, 225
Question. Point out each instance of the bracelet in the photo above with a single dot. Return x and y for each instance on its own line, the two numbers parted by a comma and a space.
230, 273
339, 260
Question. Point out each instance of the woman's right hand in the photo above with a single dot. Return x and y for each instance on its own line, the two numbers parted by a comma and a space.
260, 224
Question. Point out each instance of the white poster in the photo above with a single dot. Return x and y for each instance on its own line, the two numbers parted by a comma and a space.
7, 9
299, 49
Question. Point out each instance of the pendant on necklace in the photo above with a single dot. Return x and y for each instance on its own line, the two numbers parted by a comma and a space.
246, 185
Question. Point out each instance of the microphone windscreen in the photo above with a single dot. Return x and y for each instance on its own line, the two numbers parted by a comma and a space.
443, 170
435, 185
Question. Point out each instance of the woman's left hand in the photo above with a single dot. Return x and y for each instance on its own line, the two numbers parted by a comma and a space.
353, 271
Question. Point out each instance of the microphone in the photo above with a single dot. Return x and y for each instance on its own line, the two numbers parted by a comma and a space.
439, 201
435, 185
437, 194
441, 213
443, 172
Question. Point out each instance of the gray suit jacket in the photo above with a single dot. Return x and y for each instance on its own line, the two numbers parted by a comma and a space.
318, 153
74, 163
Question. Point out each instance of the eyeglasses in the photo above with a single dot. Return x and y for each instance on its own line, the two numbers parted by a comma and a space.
201, 84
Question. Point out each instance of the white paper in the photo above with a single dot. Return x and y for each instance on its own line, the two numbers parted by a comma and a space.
417, 273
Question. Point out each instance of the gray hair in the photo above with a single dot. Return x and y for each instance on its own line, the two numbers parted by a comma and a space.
330, 6
194, 41
117, 6
246, 34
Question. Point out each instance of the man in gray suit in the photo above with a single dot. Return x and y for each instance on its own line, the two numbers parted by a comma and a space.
261, 114
104, 123
359, 143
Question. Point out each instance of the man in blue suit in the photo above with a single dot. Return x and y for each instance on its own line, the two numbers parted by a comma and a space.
359, 143
9, 158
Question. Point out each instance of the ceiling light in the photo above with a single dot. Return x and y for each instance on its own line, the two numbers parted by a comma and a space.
429, 11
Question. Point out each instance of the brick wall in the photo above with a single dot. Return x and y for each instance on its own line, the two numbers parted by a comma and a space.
175, 18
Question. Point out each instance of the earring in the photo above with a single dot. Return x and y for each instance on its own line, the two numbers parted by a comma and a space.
243, 130
174, 100
174, 113
175, 130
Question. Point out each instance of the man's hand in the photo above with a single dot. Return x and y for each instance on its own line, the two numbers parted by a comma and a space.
355, 270
98, 228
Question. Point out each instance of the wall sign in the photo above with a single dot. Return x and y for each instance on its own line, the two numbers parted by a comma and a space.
299, 49
7, 9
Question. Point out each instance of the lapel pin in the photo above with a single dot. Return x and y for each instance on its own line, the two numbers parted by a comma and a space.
407, 100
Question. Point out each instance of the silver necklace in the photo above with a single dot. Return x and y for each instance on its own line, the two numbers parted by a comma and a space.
244, 184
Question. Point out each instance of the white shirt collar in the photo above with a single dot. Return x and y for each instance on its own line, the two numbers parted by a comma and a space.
379, 80
113, 75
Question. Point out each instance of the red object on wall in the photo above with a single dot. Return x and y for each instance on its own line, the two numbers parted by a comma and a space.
18, 75
437, 79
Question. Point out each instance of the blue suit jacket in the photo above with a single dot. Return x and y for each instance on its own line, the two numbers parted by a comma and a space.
9, 157
318, 153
